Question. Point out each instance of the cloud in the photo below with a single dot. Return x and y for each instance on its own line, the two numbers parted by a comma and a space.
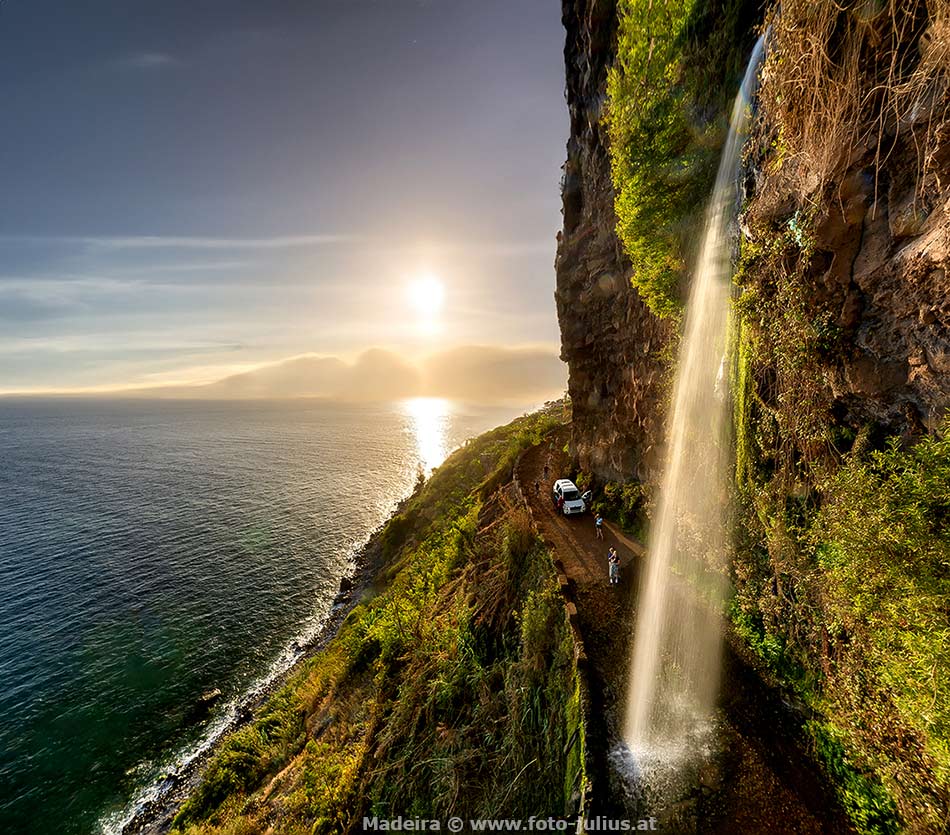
375, 375
24, 307
500, 248
149, 60
380, 375
150, 242
505, 249
478, 374
289, 378
33, 299
187, 267
58, 283
76, 295
487, 374
182, 242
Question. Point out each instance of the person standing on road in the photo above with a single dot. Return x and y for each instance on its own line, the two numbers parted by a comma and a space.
613, 566
599, 526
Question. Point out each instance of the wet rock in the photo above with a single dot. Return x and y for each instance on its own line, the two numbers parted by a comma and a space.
710, 777
204, 704
879, 247
680, 817
209, 698
169, 781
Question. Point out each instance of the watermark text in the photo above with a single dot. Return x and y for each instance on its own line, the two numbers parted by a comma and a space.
531, 824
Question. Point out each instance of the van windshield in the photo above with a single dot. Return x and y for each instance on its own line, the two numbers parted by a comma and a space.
570, 495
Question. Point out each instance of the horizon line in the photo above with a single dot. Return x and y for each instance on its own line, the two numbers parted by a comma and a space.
350, 360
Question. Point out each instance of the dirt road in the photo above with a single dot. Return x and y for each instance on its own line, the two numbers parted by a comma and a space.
758, 778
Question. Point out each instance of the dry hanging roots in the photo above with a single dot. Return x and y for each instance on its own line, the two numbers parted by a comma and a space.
853, 77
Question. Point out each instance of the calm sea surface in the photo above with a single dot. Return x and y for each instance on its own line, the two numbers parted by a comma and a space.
150, 551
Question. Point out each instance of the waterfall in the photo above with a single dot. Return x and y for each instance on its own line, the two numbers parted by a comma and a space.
674, 676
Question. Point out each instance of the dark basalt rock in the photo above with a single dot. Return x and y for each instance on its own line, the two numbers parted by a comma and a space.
880, 248
610, 340
881, 240
209, 697
204, 704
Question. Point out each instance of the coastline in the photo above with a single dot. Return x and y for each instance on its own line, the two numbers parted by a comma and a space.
152, 812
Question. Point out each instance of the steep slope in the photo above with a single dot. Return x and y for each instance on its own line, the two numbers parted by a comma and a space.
842, 387
613, 345
848, 208
450, 689
841, 379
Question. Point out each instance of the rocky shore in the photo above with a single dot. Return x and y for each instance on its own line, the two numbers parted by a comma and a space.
155, 815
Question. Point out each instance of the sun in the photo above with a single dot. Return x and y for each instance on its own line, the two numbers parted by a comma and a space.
426, 295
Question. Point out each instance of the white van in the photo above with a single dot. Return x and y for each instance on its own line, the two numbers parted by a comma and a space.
565, 489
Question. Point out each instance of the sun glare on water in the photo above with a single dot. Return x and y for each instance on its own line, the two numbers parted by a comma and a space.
429, 417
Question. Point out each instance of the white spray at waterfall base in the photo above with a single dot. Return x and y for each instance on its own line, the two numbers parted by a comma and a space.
674, 676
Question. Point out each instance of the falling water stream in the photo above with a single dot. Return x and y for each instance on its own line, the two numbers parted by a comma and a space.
674, 676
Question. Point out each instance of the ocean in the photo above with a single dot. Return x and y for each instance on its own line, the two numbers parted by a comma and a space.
151, 551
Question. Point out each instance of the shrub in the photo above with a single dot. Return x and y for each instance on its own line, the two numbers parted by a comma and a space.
849, 607
458, 672
868, 805
622, 502
677, 69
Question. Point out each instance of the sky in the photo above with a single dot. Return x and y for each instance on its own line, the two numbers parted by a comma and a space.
192, 188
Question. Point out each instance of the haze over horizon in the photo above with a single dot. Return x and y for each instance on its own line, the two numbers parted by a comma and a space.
196, 190
490, 375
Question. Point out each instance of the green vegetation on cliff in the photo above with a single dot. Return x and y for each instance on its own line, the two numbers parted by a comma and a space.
842, 589
677, 70
842, 565
451, 690
842, 561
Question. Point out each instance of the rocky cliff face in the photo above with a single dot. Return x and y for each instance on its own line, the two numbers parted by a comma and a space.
874, 275
873, 280
841, 339
614, 346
